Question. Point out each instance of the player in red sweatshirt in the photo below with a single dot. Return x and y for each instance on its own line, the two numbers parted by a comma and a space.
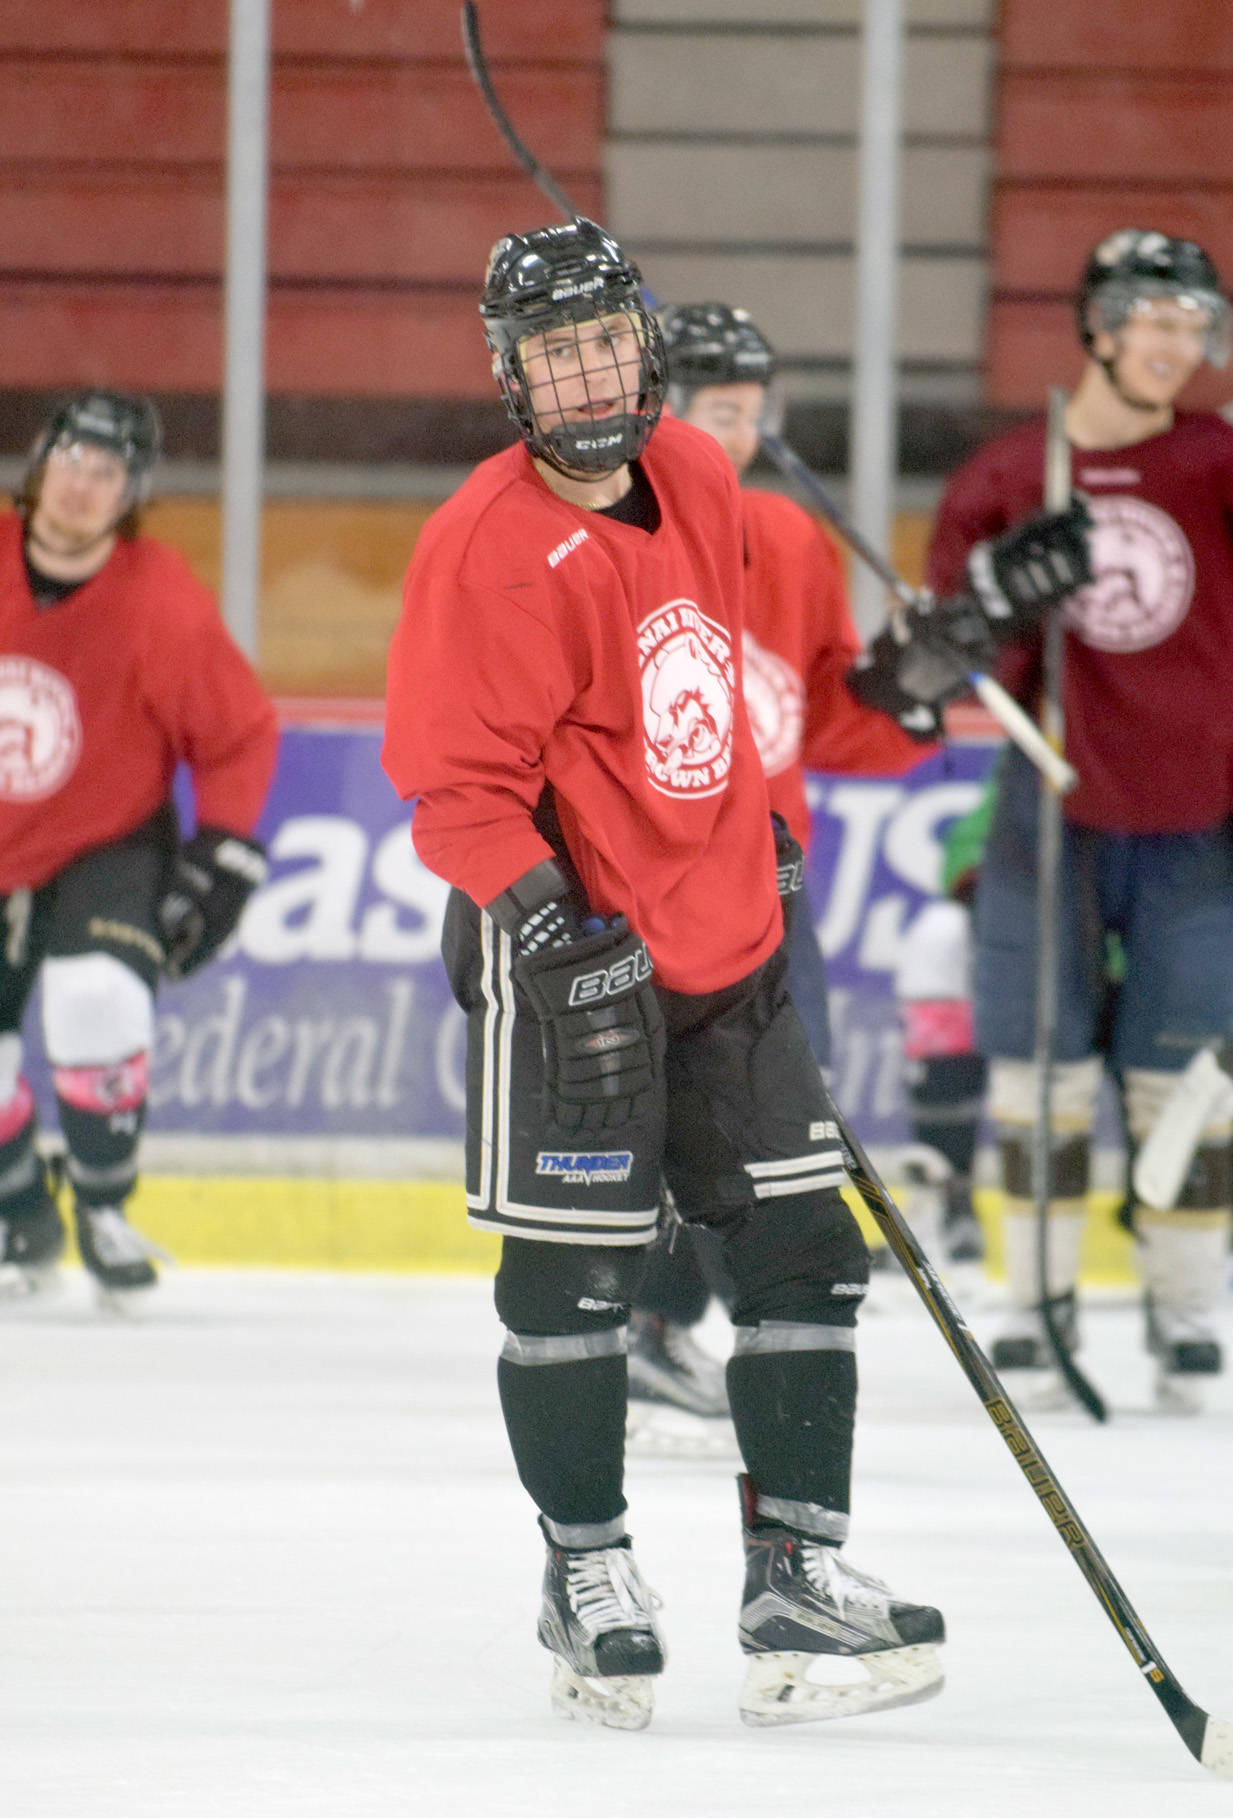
116, 666
564, 700
1148, 856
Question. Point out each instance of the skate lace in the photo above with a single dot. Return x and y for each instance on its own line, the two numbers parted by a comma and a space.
605, 1591
114, 1239
832, 1577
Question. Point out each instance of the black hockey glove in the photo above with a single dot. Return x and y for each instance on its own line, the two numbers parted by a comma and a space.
1034, 565
602, 1027
212, 877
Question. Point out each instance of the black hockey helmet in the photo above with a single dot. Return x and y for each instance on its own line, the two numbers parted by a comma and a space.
1135, 263
126, 427
714, 344
552, 278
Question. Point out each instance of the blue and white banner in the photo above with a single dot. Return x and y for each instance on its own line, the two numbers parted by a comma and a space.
328, 1016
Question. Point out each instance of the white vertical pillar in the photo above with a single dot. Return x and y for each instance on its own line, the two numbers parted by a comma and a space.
872, 451
244, 315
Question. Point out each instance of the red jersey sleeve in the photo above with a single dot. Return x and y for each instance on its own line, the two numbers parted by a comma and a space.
473, 754
201, 687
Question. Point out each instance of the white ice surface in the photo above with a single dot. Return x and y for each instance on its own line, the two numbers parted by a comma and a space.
263, 1555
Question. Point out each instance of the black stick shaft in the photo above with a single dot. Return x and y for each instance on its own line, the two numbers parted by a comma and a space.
1188, 1719
1049, 838
501, 120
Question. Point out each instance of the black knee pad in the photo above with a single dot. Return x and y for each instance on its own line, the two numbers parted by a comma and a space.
801, 1258
550, 1290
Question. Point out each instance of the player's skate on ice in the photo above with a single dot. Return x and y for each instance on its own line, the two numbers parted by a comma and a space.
823, 1639
598, 1623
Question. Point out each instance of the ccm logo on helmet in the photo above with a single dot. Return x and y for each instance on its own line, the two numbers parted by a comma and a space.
611, 981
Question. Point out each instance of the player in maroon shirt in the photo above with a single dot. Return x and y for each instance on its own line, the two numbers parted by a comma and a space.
564, 699
116, 666
799, 643
1148, 700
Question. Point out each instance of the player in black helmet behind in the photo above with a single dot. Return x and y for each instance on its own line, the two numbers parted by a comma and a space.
1148, 851
564, 704
798, 643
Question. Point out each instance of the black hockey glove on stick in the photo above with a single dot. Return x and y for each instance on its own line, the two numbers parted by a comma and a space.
1030, 567
932, 653
212, 877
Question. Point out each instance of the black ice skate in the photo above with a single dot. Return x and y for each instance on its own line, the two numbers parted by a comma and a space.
118, 1257
1186, 1350
597, 1622
666, 1365
31, 1244
825, 1640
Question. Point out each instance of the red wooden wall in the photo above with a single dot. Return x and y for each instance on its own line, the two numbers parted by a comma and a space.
1115, 113
388, 186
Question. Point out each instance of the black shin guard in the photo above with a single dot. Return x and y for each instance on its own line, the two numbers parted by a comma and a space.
566, 1426
945, 1099
794, 1413
102, 1151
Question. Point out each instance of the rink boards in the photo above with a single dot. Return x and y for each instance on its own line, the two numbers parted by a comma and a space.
307, 1088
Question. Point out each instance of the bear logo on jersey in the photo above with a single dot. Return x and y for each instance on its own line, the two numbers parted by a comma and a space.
775, 703
1144, 583
40, 731
688, 689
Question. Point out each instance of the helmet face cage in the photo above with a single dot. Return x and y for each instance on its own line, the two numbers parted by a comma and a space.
1133, 267
577, 357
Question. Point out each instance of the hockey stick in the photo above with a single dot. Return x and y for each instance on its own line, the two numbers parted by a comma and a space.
1048, 895
501, 120
1009, 715
1209, 1739
1004, 708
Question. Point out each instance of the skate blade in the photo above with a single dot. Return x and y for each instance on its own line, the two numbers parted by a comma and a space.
809, 1688
123, 1303
1180, 1394
1039, 1391
654, 1431
22, 1283
624, 1702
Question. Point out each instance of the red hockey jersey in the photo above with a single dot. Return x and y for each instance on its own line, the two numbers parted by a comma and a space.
103, 694
542, 644
1148, 673
799, 644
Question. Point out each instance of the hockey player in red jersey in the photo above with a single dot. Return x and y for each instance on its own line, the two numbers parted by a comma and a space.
564, 700
116, 666
1148, 707
798, 644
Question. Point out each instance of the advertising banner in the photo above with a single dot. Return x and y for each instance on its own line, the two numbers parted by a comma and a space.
328, 1016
